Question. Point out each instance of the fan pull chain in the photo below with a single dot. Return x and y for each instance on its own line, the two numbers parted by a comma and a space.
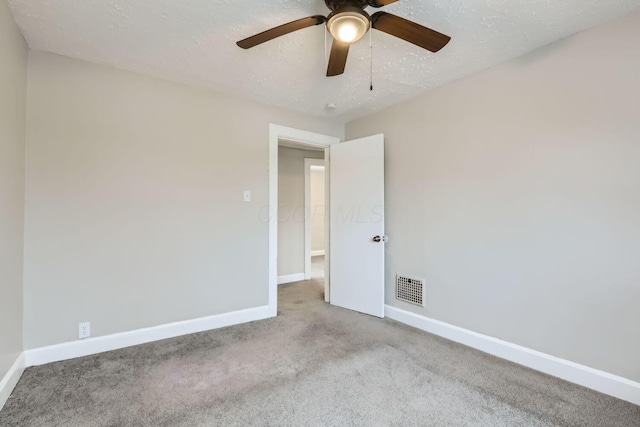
326, 61
325, 80
371, 59
325, 47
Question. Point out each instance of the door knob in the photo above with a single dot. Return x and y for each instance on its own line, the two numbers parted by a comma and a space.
379, 239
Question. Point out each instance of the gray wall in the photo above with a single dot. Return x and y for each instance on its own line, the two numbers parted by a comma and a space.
291, 211
516, 194
317, 210
134, 200
13, 86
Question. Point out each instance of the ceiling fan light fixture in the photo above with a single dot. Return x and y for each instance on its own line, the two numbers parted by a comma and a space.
348, 25
348, 22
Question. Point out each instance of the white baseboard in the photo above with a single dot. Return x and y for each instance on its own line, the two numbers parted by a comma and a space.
9, 381
601, 381
86, 347
318, 253
290, 278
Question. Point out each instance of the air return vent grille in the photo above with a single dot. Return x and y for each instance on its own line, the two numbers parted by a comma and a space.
410, 289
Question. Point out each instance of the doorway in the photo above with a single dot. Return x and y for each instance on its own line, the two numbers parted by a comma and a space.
301, 139
315, 224
297, 218
354, 232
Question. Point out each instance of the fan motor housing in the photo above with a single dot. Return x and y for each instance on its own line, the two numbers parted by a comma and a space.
337, 4
347, 9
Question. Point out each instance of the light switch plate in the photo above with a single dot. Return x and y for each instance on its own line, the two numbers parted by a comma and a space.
247, 196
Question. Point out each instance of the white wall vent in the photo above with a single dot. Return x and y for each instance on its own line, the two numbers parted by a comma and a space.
410, 289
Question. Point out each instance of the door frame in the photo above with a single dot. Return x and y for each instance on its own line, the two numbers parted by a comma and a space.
308, 253
302, 137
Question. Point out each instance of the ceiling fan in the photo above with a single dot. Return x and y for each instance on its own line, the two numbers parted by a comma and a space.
348, 22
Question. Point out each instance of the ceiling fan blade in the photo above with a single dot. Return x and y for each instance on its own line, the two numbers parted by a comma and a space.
281, 30
409, 31
338, 58
380, 3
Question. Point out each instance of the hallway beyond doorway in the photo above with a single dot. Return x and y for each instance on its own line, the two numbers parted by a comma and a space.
317, 267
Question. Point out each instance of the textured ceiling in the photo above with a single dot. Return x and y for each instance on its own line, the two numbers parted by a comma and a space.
193, 41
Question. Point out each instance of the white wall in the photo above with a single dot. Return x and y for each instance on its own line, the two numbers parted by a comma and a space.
516, 194
134, 200
13, 87
317, 209
291, 212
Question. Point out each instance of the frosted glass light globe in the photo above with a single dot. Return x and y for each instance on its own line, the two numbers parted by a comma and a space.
347, 33
348, 26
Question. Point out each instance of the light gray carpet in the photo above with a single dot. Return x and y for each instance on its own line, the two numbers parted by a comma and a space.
312, 365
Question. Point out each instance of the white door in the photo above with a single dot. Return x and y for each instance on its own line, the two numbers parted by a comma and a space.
357, 225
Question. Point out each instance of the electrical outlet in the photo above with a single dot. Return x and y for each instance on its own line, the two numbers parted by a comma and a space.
84, 330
